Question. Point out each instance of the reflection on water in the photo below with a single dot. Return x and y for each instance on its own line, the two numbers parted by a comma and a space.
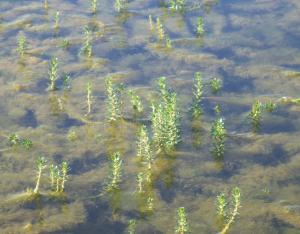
252, 46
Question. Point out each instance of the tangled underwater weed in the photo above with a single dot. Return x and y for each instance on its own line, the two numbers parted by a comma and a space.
86, 48
131, 226
56, 20
160, 30
182, 226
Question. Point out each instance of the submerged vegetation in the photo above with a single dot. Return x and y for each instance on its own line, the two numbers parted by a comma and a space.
182, 226
53, 74
218, 134
21, 44
114, 101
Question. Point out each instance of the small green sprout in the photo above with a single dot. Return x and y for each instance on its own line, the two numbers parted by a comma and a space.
222, 205
270, 106
218, 134
14, 139
215, 85
135, 101
151, 23
72, 136
89, 97
87, 42
57, 178
120, 5
113, 99
21, 44
168, 42
200, 27
235, 203
150, 203
65, 44
255, 115
160, 30
198, 92
66, 82
94, 6
41, 165
26, 143
131, 226
177, 5
182, 226
53, 74
115, 168
56, 20
64, 174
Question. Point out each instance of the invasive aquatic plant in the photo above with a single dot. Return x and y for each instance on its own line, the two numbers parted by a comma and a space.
182, 226
120, 5
233, 212
87, 42
72, 135
89, 97
215, 85
56, 20
21, 44
135, 101
131, 226
57, 179
165, 118
41, 165
160, 30
218, 134
200, 27
64, 175
255, 115
115, 167
53, 73
94, 4
177, 5
143, 143
113, 99
222, 205
140, 178
198, 92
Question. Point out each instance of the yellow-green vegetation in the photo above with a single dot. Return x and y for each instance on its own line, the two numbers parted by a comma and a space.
200, 27
86, 48
215, 85
255, 115
41, 165
120, 5
135, 101
89, 97
56, 20
131, 226
114, 102
115, 172
53, 74
94, 4
177, 5
160, 32
182, 226
197, 98
21, 44
218, 134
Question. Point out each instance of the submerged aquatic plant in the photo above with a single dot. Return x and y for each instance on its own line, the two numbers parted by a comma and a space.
135, 101
120, 5
168, 42
270, 106
233, 212
177, 5
182, 226
94, 4
160, 30
14, 139
26, 143
113, 99
151, 23
218, 134
21, 44
165, 118
200, 27
115, 169
46, 5
53, 73
140, 178
143, 143
198, 92
89, 97
65, 44
56, 20
131, 226
87, 42
41, 165
222, 205
215, 85
255, 115
64, 175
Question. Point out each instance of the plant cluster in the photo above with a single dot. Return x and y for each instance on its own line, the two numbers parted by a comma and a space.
162, 37
94, 4
256, 115
226, 213
182, 226
177, 5
120, 5
56, 20
21, 44
86, 48
135, 101
59, 176
89, 97
113, 99
215, 85
41, 165
198, 93
115, 172
53, 74
218, 134
165, 118
131, 226
14, 139
200, 27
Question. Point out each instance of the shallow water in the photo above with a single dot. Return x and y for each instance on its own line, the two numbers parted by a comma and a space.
253, 46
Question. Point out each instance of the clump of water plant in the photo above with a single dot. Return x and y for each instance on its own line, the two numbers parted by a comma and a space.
89, 97
46, 5
160, 30
120, 5
66, 82
56, 20
21, 44
64, 175
113, 99
65, 44
59, 176
135, 101
53, 74
150, 20
200, 27
215, 85
87, 42
131, 226
218, 134
228, 214
168, 43
270, 106
165, 118
177, 5
198, 93
182, 226
256, 115
115, 172
94, 4
140, 179
15, 140
41, 165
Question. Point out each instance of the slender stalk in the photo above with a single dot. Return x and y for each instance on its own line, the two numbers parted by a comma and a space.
41, 165
89, 97
64, 171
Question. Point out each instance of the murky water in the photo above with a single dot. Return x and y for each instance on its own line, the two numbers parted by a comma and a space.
252, 46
